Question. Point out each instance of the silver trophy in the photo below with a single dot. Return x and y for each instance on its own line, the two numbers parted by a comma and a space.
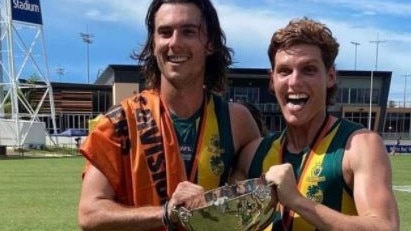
244, 206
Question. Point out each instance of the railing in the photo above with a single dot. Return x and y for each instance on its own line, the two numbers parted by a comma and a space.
398, 104
268, 107
395, 136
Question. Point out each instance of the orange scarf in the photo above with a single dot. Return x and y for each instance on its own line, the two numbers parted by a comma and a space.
149, 172
138, 176
157, 147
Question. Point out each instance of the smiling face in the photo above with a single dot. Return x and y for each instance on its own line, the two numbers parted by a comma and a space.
180, 44
300, 81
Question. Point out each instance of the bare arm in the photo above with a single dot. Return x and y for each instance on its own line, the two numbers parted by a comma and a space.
240, 171
246, 139
367, 169
367, 160
99, 211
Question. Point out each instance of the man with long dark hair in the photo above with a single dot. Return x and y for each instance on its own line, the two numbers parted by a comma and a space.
168, 144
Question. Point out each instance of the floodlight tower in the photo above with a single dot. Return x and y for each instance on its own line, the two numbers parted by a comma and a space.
23, 73
377, 44
356, 44
60, 72
87, 39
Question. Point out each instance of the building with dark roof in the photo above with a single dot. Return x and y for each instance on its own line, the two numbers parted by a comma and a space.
77, 103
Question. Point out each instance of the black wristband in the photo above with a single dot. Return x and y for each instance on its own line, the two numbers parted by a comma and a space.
164, 216
167, 222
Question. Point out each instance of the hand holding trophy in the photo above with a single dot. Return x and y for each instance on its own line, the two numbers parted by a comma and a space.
244, 206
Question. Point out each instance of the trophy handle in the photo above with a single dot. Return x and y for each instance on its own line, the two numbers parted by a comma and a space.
182, 213
245, 206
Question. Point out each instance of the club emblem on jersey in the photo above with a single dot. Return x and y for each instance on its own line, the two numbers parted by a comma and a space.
216, 162
315, 193
315, 174
317, 170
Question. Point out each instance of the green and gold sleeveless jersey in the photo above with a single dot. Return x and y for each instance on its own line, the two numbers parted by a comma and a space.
186, 132
190, 138
320, 179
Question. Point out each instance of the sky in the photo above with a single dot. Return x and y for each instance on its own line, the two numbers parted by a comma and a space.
117, 29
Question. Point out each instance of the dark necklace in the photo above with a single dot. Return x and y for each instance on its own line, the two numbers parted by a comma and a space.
313, 142
287, 217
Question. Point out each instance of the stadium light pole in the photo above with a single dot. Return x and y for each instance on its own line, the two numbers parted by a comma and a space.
60, 72
356, 44
405, 87
88, 39
377, 43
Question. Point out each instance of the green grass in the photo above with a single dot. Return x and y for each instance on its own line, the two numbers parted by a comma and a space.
402, 177
41, 194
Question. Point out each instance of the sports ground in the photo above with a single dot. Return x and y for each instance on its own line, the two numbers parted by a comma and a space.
40, 192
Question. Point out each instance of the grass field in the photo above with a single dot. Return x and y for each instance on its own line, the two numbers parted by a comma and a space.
401, 173
41, 194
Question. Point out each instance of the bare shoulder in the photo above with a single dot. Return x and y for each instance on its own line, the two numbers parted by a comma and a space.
240, 115
365, 144
238, 108
365, 152
244, 128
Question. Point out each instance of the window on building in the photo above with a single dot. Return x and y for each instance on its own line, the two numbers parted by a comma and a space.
357, 96
360, 117
398, 123
244, 94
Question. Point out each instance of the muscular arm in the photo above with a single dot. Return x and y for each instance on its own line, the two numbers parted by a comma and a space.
246, 140
367, 169
99, 211
240, 171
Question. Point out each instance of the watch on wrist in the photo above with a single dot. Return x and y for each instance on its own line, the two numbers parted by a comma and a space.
173, 215
168, 221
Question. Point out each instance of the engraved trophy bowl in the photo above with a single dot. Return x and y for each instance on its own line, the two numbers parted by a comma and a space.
244, 206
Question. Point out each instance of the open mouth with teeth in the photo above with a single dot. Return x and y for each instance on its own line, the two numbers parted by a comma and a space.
297, 99
176, 59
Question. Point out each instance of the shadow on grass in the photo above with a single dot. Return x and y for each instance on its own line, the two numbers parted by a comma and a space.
46, 152
26, 157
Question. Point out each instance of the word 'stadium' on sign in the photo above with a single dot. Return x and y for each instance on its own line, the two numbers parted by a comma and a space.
26, 11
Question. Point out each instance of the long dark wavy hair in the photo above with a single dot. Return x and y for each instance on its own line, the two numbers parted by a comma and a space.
216, 64
307, 31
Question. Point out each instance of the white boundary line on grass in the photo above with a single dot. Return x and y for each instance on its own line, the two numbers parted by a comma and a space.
402, 188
